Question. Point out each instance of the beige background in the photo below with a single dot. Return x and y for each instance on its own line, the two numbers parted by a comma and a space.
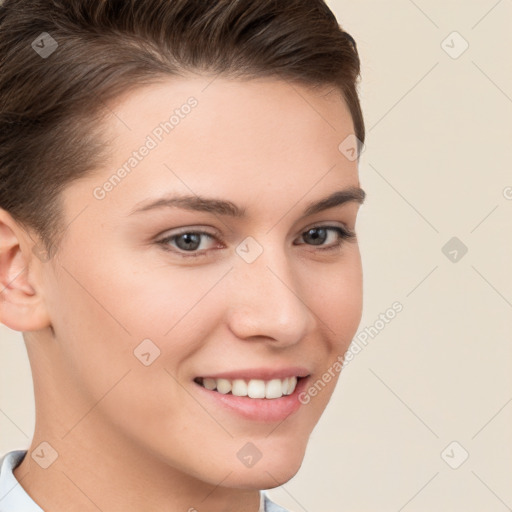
436, 165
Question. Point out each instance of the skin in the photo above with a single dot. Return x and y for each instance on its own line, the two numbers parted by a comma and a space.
264, 145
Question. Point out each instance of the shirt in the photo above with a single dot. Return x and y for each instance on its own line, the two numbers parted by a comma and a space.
13, 497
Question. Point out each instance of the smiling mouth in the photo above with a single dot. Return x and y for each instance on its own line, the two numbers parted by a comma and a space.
253, 388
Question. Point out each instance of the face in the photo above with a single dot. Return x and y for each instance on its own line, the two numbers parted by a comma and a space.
166, 312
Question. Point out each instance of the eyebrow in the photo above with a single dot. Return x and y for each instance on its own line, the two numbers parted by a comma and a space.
223, 207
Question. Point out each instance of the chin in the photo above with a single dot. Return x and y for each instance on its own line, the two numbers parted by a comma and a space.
278, 465
264, 477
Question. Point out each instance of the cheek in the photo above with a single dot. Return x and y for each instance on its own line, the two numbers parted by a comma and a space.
101, 320
351, 303
104, 307
93, 341
153, 297
96, 314
351, 291
337, 299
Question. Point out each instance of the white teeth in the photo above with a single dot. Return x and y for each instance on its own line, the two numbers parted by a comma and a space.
239, 388
285, 385
274, 389
209, 384
292, 382
223, 386
254, 388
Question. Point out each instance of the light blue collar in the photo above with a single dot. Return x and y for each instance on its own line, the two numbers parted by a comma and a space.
13, 497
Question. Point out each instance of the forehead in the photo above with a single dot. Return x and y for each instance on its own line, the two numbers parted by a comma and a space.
241, 139
237, 114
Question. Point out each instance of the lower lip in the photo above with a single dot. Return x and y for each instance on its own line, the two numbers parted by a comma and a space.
258, 409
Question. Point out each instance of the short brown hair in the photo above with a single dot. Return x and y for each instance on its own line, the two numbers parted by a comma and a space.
51, 108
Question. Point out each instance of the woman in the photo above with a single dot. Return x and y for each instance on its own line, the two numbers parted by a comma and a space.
178, 198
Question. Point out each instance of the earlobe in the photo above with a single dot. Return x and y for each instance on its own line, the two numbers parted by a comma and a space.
22, 307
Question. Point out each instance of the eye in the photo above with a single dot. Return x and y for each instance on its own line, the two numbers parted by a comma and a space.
187, 243
318, 234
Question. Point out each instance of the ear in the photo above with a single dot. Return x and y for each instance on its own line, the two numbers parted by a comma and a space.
22, 307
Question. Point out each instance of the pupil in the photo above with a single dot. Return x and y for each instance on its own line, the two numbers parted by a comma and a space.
316, 239
190, 238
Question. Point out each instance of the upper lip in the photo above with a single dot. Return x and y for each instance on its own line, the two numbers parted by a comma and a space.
260, 373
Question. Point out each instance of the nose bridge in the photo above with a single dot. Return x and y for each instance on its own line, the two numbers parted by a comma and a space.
266, 299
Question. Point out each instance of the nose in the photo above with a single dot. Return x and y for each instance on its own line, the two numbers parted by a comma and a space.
265, 300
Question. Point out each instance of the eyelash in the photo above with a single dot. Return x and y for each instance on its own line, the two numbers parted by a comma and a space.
345, 234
